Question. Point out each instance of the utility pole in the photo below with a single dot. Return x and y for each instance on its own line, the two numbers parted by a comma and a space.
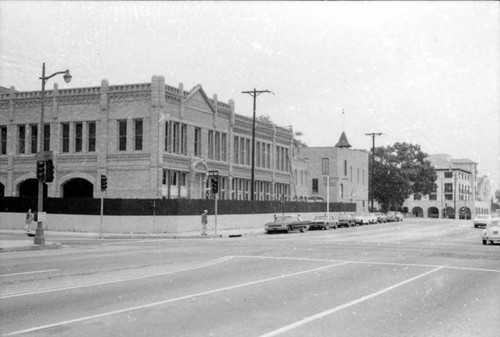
373, 135
254, 93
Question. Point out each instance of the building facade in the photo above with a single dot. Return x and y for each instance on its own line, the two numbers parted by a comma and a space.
150, 140
343, 169
459, 194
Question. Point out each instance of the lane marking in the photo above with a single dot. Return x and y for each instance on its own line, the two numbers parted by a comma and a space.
30, 272
370, 262
83, 285
344, 306
149, 305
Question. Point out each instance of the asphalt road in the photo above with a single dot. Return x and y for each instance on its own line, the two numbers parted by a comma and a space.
416, 278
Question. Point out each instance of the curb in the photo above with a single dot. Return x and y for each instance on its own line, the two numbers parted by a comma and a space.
55, 245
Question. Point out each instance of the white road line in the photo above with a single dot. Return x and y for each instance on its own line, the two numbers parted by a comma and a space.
41, 291
370, 262
210, 292
30, 272
344, 306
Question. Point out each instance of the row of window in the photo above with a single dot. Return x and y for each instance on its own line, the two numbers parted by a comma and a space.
240, 190
461, 175
81, 137
27, 138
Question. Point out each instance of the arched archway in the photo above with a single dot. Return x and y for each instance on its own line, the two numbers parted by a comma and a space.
78, 188
433, 212
464, 213
417, 212
29, 188
449, 213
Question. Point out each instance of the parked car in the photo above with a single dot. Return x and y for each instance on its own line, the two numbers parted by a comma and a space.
372, 218
491, 233
395, 216
346, 220
287, 223
381, 217
361, 219
481, 220
324, 222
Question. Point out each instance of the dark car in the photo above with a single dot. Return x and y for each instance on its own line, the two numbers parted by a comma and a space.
324, 222
287, 223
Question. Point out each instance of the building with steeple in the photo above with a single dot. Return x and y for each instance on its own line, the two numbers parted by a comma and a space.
344, 168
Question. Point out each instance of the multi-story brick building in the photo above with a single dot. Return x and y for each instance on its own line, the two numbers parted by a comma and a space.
151, 140
460, 193
346, 169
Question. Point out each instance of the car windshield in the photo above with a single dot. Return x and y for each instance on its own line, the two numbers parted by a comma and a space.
482, 216
283, 218
321, 217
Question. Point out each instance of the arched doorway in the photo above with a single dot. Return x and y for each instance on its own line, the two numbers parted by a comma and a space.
418, 212
29, 188
464, 213
433, 212
449, 213
78, 188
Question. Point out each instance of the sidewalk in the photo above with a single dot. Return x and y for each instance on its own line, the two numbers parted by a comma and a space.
25, 242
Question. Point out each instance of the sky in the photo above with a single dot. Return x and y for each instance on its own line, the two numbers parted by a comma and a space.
425, 73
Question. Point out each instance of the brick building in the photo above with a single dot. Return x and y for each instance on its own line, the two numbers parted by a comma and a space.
151, 140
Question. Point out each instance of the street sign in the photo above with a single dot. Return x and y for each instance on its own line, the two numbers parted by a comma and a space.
41, 216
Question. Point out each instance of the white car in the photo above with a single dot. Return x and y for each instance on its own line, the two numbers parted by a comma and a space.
491, 233
481, 220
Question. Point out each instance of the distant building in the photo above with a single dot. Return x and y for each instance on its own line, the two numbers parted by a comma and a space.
459, 194
151, 140
346, 169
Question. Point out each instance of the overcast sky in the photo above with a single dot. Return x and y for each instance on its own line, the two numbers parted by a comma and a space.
421, 72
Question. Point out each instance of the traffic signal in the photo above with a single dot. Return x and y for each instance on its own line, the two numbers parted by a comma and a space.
40, 170
215, 185
104, 182
49, 171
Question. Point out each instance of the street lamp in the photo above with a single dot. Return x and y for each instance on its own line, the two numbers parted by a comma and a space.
39, 235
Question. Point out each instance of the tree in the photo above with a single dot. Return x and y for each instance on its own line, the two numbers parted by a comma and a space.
495, 202
296, 142
399, 171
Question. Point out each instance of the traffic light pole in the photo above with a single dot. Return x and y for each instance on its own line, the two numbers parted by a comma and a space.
102, 208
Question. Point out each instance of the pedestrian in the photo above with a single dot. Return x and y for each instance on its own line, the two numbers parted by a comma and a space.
204, 221
29, 220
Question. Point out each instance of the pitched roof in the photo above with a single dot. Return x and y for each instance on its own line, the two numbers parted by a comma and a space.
343, 142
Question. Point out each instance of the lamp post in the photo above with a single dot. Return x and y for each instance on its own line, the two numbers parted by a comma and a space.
254, 93
39, 235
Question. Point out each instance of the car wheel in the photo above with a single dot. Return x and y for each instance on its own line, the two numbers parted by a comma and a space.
475, 226
484, 242
288, 229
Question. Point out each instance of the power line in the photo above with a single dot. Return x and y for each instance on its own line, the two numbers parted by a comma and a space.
254, 93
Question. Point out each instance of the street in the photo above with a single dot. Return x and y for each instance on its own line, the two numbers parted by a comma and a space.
414, 278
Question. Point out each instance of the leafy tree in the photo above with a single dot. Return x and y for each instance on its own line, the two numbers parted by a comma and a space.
495, 206
400, 170
296, 142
